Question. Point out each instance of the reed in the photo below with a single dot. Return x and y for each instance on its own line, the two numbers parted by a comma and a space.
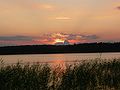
93, 75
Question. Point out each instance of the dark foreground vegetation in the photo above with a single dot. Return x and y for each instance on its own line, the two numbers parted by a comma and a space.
95, 75
49, 49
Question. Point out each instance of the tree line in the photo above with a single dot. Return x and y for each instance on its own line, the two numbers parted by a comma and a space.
53, 49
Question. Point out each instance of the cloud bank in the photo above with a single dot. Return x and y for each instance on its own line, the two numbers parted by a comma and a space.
46, 39
16, 38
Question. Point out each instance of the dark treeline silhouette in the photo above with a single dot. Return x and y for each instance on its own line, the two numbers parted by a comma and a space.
52, 49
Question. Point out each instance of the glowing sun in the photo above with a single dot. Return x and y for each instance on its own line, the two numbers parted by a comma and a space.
59, 40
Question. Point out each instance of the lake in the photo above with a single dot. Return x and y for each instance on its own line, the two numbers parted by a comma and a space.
43, 58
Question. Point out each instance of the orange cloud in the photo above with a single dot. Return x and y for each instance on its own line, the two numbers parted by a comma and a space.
43, 6
63, 18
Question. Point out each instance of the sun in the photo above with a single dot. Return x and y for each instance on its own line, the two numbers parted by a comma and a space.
59, 40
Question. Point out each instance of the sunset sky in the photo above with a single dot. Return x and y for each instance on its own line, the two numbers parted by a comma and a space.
30, 22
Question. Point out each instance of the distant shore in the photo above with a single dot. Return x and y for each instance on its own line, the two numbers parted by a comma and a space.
57, 49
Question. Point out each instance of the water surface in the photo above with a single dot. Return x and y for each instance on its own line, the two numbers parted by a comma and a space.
31, 58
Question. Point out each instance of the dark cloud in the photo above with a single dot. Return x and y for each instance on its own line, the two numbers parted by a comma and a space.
89, 37
7, 44
16, 38
72, 36
80, 37
49, 37
118, 7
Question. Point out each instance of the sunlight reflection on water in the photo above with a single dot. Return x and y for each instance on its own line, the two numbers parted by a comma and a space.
56, 58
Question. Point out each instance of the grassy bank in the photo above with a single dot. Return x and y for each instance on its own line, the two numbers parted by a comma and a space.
92, 75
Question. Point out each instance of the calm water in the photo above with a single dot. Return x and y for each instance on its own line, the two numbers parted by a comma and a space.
10, 59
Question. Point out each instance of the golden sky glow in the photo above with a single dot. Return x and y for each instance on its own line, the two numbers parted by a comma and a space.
59, 40
34, 18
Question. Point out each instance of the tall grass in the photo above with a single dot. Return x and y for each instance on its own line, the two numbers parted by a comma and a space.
93, 75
